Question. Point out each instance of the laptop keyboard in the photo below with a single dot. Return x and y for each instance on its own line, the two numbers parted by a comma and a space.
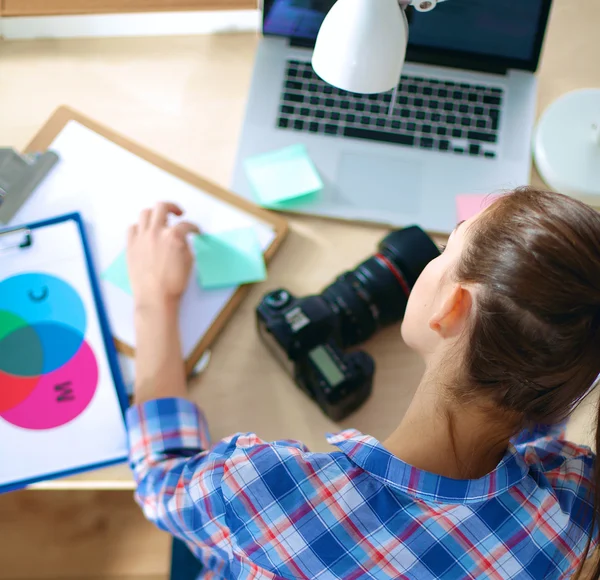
428, 113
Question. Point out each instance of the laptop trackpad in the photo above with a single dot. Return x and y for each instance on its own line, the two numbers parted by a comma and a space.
379, 182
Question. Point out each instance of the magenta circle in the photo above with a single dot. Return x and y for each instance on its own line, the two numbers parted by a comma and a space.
60, 396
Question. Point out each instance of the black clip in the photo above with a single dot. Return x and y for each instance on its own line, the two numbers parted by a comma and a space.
16, 239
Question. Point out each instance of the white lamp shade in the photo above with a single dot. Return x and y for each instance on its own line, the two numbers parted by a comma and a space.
361, 45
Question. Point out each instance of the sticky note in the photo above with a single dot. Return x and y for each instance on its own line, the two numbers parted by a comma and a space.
469, 205
229, 258
118, 274
280, 176
295, 203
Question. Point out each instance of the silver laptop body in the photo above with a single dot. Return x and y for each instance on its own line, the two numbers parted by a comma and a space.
460, 122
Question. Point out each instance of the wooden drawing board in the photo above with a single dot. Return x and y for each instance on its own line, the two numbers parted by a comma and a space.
112, 153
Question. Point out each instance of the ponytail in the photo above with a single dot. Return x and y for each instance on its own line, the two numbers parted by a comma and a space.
534, 345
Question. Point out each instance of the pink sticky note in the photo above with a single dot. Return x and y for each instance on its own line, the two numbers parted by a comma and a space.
469, 205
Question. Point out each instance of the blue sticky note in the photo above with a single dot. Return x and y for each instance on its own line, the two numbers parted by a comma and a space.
229, 258
118, 274
283, 175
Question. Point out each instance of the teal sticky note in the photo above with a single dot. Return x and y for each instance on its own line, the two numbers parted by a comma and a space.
118, 274
229, 258
297, 203
280, 176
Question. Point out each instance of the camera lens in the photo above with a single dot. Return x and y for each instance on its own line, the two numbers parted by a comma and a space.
409, 250
376, 292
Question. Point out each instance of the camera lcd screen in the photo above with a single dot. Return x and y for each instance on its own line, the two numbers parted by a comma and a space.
323, 361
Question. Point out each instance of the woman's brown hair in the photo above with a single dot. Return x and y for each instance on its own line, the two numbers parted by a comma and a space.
534, 347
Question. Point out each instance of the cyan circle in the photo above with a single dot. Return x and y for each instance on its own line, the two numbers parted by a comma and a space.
41, 298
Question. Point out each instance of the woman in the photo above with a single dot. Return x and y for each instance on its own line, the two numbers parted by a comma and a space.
507, 320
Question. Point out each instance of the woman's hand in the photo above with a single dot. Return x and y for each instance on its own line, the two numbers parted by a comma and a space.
159, 258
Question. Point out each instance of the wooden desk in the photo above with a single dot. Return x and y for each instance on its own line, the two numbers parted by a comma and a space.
185, 97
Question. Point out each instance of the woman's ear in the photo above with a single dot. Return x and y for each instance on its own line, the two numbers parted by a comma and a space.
451, 317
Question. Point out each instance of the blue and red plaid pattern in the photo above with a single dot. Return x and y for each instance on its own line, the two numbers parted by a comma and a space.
251, 509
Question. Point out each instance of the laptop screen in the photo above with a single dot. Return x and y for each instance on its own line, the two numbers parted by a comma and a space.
508, 33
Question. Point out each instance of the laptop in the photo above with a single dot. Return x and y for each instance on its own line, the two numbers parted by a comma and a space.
460, 121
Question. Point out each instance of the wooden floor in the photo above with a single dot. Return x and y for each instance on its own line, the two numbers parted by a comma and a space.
84, 535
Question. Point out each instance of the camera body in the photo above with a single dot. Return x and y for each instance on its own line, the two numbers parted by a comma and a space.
301, 333
309, 335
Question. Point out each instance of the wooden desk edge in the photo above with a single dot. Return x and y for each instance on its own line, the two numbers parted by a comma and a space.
116, 477
84, 485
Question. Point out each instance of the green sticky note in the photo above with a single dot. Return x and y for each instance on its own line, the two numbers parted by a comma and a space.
280, 176
229, 258
118, 274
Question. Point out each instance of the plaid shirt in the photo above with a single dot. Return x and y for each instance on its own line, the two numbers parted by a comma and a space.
250, 509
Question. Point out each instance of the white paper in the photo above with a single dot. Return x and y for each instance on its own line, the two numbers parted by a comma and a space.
97, 433
109, 186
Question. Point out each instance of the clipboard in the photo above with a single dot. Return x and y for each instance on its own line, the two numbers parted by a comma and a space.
62, 121
63, 402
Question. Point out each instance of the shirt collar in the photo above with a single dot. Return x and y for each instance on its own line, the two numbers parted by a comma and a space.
369, 454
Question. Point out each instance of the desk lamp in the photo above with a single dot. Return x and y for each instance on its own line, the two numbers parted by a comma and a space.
361, 44
566, 145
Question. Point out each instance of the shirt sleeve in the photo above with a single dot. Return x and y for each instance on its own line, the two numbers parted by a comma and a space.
168, 450
179, 475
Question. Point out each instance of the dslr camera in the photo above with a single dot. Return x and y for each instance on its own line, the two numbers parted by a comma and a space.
310, 335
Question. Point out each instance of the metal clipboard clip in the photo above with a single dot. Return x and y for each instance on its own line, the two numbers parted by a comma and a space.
15, 239
20, 175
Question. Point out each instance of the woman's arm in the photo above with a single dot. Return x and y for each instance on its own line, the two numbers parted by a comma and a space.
179, 475
159, 367
160, 264
167, 434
